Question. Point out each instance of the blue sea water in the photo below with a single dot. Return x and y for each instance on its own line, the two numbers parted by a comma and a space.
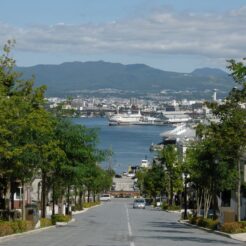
130, 144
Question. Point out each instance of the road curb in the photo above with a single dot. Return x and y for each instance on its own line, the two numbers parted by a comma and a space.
232, 236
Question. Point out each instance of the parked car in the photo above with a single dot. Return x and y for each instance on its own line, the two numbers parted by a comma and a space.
139, 203
105, 197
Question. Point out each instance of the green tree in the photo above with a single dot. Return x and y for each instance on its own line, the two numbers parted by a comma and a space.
209, 172
151, 182
231, 128
216, 158
82, 155
169, 158
23, 120
34, 142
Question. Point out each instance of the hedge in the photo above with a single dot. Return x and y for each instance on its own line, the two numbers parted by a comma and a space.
90, 204
166, 206
60, 218
44, 222
233, 227
11, 227
207, 223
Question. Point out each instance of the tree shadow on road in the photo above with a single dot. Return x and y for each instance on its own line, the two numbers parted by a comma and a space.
192, 239
167, 231
173, 228
163, 224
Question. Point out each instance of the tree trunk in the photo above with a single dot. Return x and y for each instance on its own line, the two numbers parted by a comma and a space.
239, 192
75, 196
80, 200
60, 205
94, 196
43, 196
68, 199
7, 204
198, 202
53, 199
171, 192
8, 197
12, 192
207, 202
215, 206
23, 201
88, 196
83, 198
154, 200
185, 198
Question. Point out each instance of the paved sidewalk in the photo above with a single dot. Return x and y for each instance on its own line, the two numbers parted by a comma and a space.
239, 236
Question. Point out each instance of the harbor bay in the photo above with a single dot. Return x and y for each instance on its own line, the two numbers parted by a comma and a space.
129, 143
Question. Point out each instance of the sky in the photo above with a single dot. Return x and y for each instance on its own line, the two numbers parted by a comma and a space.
172, 35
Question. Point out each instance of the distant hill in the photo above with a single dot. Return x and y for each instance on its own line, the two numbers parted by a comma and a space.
70, 77
211, 72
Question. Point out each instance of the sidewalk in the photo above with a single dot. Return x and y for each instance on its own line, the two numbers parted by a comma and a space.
237, 236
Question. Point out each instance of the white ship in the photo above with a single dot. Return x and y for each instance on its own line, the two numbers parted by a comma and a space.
125, 119
173, 117
165, 117
133, 119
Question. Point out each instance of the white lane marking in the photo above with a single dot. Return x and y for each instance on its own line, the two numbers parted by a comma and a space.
129, 226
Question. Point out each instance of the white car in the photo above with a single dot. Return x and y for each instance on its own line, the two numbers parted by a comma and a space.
105, 197
139, 203
131, 175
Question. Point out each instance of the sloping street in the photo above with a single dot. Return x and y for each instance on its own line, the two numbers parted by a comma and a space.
116, 223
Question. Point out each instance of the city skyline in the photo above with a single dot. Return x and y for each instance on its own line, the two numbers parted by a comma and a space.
179, 35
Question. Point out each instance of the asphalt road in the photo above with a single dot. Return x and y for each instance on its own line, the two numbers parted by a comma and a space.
116, 223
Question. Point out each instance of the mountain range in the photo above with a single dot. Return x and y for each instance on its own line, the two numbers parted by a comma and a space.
74, 77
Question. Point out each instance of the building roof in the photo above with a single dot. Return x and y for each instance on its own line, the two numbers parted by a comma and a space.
182, 131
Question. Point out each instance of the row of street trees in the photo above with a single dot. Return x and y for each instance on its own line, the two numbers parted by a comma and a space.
164, 178
213, 161
35, 143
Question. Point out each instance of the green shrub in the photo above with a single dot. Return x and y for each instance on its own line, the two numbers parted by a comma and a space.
29, 225
202, 222
232, 227
212, 224
5, 228
60, 218
193, 220
77, 207
10, 227
174, 207
164, 206
90, 204
243, 223
44, 222
207, 223
14, 225
22, 225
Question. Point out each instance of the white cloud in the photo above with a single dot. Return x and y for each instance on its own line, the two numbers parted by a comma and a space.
212, 35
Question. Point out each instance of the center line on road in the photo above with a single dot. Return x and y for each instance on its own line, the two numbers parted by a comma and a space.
129, 226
